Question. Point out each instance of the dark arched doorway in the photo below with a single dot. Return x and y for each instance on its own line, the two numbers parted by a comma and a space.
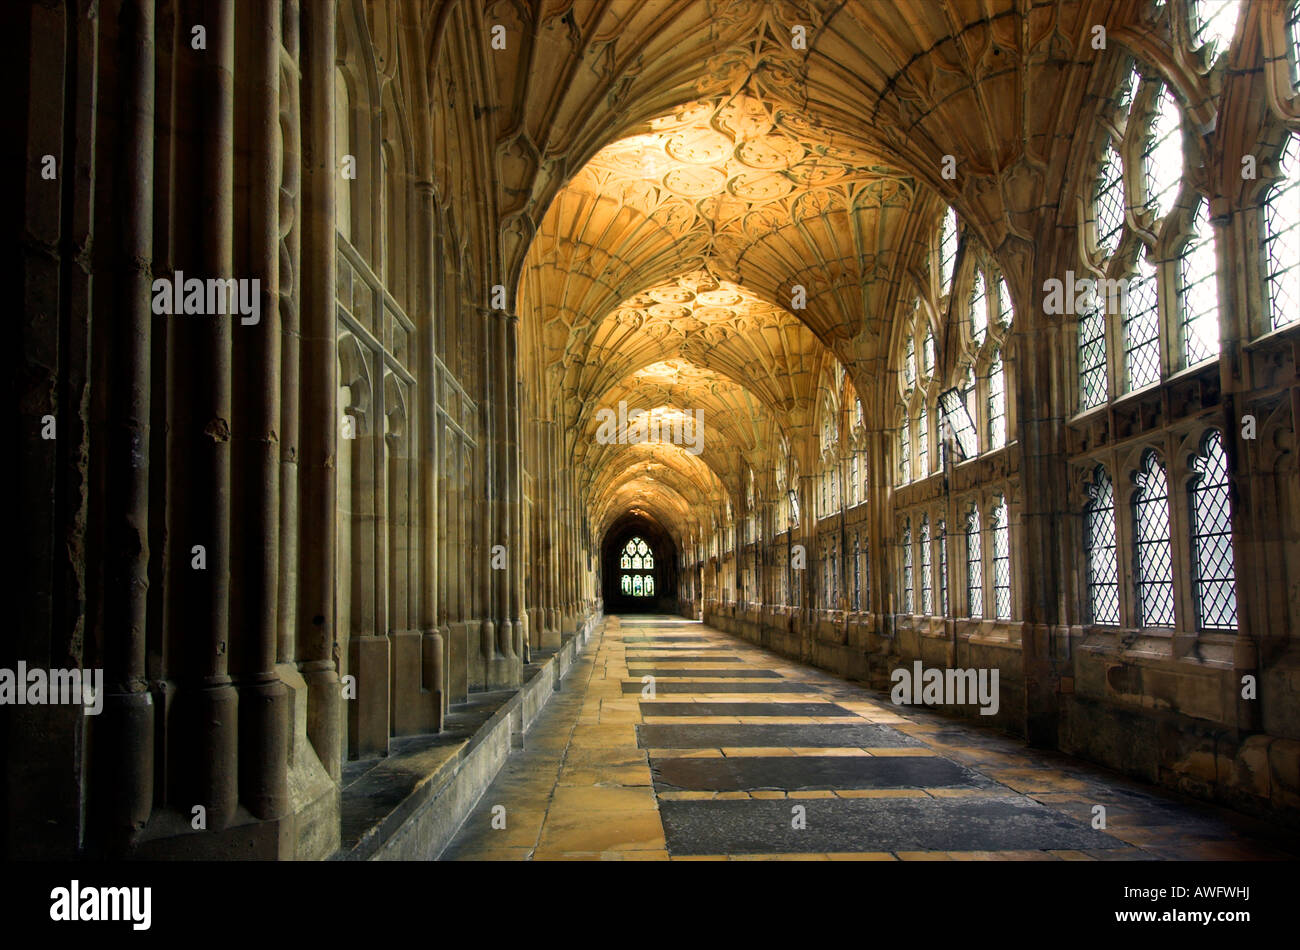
638, 568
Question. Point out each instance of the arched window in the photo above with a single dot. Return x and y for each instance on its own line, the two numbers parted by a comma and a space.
1199, 291
905, 450
923, 441
997, 404
1293, 31
1153, 559
1214, 22
968, 392
1099, 549
908, 605
947, 250
1162, 158
853, 480
1142, 328
1006, 316
974, 565
979, 310
1092, 358
1282, 239
941, 539
857, 574
635, 565
1215, 574
1108, 201
927, 589
1001, 561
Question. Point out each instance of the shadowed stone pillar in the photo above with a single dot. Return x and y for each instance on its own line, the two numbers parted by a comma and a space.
263, 699
202, 745
317, 632
123, 773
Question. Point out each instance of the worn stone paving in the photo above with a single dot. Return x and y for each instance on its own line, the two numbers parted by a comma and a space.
757, 757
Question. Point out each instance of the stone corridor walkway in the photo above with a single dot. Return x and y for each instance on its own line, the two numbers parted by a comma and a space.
744, 755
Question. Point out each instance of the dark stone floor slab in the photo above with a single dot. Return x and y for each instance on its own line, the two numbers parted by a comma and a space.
743, 709
874, 824
684, 648
761, 735
718, 674
792, 773
666, 639
784, 686
688, 658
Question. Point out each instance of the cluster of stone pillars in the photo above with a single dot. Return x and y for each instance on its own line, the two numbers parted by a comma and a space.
286, 539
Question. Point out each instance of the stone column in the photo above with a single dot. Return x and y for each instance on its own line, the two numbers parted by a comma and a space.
317, 642
123, 768
203, 741
255, 550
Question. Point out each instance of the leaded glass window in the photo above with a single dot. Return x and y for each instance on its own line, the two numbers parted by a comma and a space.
908, 605
1001, 562
1153, 560
1142, 328
997, 404
1282, 239
927, 588
941, 540
1215, 574
1006, 315
1198, 270
1108, 198
923, 441
637, 557
927, 353
1162, 159
1092, 358
974, 565
909, 362
1100, 549
905, 450
979, 310
1214, 22
947, 249
857, 573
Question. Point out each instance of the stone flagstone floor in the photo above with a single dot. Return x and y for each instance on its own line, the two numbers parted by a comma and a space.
745, 755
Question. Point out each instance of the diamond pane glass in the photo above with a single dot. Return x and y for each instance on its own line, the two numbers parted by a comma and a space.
905, 450
1001, 562
1162, 159
1216, 579
1198, 271
997, 404
1214, 22
1099, 549
923, 441
908, 606
1282, 239
947, 249
1005, 314
1153, 561
942, 541
927, 584
1092, 358
857, 573
974, 566
979, 310
1293, 31
1109, 201
1142, 328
